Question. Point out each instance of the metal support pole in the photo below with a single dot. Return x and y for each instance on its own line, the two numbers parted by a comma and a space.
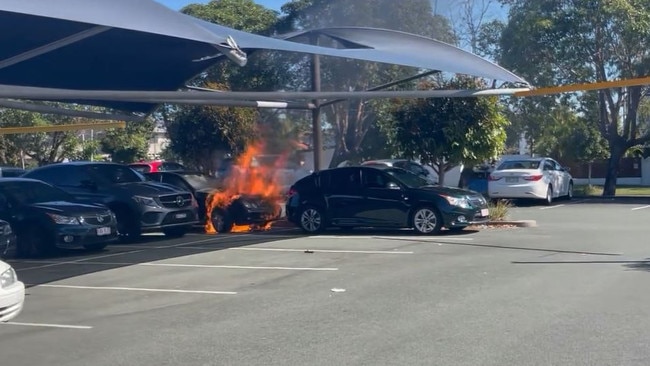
315, 113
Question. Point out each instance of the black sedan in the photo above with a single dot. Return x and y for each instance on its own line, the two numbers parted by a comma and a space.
242, 209
46, 218
381, 197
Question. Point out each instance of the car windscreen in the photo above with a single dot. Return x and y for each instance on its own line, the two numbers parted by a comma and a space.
519, 164
201, 181
141, 168
407, 178
115, 174
28, 193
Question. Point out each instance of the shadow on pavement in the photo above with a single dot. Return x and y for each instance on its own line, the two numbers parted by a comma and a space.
631, 200
152, 248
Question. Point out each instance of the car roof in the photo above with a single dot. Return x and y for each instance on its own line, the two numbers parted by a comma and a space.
384, 161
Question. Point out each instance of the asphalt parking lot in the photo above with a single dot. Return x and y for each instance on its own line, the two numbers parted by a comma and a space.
570, 291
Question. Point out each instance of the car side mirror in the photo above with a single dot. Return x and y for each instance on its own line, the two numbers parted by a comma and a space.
393, 185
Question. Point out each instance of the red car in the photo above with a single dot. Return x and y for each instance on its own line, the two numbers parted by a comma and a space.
156, 166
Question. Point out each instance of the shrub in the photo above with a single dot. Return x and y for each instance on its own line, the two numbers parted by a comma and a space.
499, 209
587, 190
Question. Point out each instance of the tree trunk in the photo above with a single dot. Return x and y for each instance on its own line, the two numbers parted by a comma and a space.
617, 149
441, 176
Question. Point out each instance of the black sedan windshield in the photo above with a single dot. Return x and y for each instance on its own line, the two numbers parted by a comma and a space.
407, 178
115, 174
28, 193
200, 181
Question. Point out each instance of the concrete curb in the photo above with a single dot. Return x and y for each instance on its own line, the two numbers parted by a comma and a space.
517, 223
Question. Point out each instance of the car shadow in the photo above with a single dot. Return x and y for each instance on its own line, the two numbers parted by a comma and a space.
631, 200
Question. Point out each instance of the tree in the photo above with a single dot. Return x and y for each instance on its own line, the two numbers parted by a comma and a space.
575, 41
44, 148
568, 137
352, 119
126, 145
445, 132
201, 135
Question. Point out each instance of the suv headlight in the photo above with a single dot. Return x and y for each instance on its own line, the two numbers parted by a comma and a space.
458, 202
64, 220
8, 278
146, 201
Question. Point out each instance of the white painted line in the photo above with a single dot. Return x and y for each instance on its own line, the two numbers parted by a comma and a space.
141, 289
573, 202
149, 264
423, 238
551, 207
78, 261
640, 208
218, 237
64, 326
322, 250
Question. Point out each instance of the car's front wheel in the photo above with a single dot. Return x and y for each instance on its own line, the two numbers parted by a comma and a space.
427, 221
176, 231
569, 194
221, 221
312, 220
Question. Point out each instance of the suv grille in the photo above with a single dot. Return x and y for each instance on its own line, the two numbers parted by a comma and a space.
101, 219
176, 200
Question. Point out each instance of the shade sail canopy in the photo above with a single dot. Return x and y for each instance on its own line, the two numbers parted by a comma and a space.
129, 45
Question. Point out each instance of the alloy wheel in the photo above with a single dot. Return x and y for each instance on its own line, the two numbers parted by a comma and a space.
311, 220
425, 220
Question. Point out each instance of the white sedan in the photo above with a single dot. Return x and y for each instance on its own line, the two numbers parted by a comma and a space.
535, 178
12, 293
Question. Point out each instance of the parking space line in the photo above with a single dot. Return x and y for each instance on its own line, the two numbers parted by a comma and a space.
321, 250
641, 208
63, 326
141, 289
149, 264
78, 261
551, 207
218, 237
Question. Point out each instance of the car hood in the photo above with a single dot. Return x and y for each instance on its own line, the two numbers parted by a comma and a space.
68, 208
448, 191
148, 189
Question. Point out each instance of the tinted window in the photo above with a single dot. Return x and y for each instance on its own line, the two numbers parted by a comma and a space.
407, 178
200, 181
142, 168
54, 174
548, 165
33, 192
519, 164
175, 181
343, 181
12, 172
170, 167
113, 173
374, 179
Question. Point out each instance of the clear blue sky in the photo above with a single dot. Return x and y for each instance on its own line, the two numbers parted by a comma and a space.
177, 4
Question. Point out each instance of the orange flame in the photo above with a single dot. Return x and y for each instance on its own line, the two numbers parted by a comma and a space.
246, 179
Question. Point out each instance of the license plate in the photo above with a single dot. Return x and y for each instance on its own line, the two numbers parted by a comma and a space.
103, 231
512, 179
181, 215
485, 212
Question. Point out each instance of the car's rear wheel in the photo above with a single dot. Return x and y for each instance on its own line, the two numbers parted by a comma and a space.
176, 231
221, 221
427, 221
569, 194
312, 220
549, 196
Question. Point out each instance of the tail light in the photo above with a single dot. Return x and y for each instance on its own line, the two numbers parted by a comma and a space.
493, 178
533, 178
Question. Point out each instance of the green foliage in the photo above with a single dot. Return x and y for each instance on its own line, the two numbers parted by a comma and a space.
445, 132
576, 41
567, 137
200, 135
126, 145
44, 148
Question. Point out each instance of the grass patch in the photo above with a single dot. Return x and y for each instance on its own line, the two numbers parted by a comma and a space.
593, 190
499, 209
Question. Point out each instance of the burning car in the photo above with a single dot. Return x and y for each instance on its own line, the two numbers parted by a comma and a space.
225, 208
